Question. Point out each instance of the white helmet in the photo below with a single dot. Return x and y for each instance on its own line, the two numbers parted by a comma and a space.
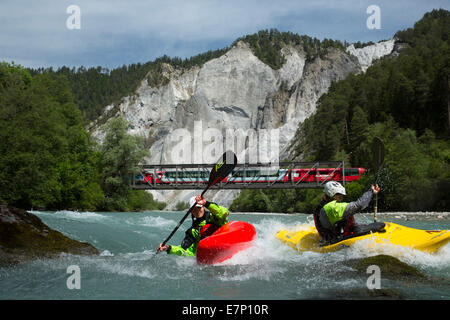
333, 187
192, 201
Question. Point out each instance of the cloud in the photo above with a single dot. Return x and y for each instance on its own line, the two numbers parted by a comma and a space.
117, 32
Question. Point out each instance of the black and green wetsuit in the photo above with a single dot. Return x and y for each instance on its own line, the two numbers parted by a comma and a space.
335, 221
217, 216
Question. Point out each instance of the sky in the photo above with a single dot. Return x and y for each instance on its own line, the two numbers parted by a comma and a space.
111, 33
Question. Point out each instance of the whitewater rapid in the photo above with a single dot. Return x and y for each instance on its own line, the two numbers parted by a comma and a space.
128, 267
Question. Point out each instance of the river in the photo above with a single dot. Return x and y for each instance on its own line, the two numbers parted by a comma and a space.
128, 267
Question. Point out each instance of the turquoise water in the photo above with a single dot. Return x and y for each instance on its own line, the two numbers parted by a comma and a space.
128, 267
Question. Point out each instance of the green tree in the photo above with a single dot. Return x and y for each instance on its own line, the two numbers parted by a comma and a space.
120, 155
44, 145
358, 130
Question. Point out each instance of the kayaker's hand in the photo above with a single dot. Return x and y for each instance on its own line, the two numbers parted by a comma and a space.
162, 248
375, 189
200, 200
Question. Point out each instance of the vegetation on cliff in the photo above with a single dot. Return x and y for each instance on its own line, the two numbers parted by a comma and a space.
267, 45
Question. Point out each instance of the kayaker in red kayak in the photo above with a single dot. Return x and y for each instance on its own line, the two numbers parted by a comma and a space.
204, 223
334, 221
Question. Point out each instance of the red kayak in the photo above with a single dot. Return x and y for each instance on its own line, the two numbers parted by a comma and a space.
228, 240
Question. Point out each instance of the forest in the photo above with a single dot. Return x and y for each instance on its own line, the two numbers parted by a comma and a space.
96, 87
47, 158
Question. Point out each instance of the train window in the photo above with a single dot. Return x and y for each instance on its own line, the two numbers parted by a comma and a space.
270, 173
248, 173
187, 174
351, 172
252, 173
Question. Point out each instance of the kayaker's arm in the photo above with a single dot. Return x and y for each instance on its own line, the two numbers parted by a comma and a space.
179, 251
358, 205
189, 244
219, 214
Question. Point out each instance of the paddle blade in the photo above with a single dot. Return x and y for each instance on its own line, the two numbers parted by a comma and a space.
223, 167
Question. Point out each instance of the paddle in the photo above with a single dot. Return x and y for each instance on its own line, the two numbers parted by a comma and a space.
378, 160
224, 166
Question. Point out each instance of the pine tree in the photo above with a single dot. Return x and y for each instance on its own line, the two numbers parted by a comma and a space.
358, 130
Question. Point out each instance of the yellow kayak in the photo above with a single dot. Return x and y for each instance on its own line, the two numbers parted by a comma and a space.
306, 238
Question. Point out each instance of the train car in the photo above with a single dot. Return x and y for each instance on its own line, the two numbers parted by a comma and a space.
239, 176
324, 174
251, 175
183, 176
139, 179
259, 176
144, 179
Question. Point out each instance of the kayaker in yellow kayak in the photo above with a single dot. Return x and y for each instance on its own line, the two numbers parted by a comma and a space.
334, 220
204, 223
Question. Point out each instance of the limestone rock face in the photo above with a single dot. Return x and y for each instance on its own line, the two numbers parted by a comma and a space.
368, 54
237, 91
316, 80
23, 236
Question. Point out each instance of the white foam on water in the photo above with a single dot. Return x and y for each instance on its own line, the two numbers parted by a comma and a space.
125, 269
137, 256
73, 215
243, 273
367, 247
34, 211
265, 259
414, 213
157, 222
265, 248
106, 253
267, 214
268, 263
124, 264
267, 256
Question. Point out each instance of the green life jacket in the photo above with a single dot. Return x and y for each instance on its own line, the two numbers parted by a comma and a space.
217, 215
335, 211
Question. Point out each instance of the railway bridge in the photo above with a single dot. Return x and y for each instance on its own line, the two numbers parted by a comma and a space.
282, 175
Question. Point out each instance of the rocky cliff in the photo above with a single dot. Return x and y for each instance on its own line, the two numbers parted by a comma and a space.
237, 91
370, 53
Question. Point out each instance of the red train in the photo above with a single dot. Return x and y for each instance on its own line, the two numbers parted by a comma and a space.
255, 176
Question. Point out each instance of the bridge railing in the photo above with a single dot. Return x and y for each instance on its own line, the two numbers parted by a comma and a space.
244, 176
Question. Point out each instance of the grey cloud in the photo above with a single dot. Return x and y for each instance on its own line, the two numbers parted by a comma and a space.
120, 32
